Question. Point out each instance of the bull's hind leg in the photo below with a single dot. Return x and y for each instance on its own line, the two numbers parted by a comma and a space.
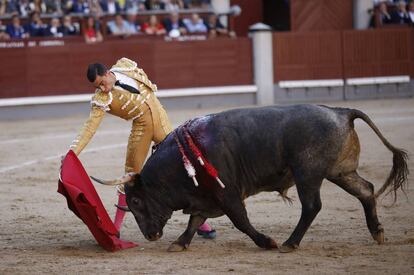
309, 195
185, 239
363, 190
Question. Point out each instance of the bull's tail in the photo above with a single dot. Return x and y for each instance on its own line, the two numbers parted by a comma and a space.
397, 179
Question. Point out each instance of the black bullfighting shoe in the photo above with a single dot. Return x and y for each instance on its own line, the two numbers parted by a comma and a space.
207, 234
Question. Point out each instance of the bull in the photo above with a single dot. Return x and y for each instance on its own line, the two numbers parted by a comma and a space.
258, 150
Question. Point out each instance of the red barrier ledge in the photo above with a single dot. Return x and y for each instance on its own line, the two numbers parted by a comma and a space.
84, 201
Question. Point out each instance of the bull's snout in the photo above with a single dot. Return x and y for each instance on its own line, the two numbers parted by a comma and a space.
153, 237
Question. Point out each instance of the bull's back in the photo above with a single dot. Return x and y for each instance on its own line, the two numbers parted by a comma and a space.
302, 124
264, 142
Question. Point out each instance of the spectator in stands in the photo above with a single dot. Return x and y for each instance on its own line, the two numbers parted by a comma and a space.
133, 6
384, 16
195, 24
377, 2
38, 6
215, 28
194, 4
174, 23
411, 12
91, 32
15, 29
24, 8
111, 6
400, 16
133, 26
67, 6
153, 27
3, 32
67, 27
54, 28
80, 6
173, 5
36, 27
8, 7
154, 4
53, 7
95, 8
119, 26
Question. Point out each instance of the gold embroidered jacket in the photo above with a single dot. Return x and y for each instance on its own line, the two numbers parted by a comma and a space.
121, 103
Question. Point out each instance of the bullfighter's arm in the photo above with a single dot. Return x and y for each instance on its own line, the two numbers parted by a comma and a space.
88, 130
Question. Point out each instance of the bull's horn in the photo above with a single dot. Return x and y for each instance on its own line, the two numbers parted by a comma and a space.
105, 182
123, 208
124, 179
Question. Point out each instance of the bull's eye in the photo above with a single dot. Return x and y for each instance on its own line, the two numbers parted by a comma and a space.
135, 201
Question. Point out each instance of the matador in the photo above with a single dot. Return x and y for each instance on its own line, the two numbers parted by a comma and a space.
125, 91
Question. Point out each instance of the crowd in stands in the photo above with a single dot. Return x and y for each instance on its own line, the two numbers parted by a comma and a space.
389, 12
36, 28
94, 7
123, 19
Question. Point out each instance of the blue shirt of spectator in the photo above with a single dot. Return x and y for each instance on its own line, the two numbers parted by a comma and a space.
118, 26
15, 30
36, 27
195, 24
174, 22
80, 6
133, 26
11, 6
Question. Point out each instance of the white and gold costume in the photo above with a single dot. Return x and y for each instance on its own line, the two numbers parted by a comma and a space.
149, 119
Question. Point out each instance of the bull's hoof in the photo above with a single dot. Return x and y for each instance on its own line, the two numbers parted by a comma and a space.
175, 247
273, 244
379, 236
287, 248
268, 243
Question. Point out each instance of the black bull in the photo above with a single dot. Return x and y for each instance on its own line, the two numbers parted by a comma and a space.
255, 150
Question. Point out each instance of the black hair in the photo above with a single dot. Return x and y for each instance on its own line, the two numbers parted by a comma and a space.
94, 70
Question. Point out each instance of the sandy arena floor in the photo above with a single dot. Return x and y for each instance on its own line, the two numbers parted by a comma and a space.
38, 233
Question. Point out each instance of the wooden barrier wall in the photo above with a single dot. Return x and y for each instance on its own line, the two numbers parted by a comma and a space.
343, 54
377, 52
35, 71
252, 13
320, 15
307, 55
58, 70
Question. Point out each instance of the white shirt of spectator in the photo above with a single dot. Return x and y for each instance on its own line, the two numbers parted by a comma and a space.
376, 2
126, 80
24, 9
411, 15
111, 8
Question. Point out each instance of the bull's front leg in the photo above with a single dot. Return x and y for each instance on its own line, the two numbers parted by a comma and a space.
237, 213
184, 240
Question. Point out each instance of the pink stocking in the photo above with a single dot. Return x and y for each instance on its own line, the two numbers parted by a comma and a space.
119, 215
205, 227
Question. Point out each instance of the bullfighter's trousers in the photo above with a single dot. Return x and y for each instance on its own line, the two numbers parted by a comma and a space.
152, 126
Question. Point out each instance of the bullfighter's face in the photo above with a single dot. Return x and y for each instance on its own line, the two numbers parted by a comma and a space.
149, 213
105, 82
